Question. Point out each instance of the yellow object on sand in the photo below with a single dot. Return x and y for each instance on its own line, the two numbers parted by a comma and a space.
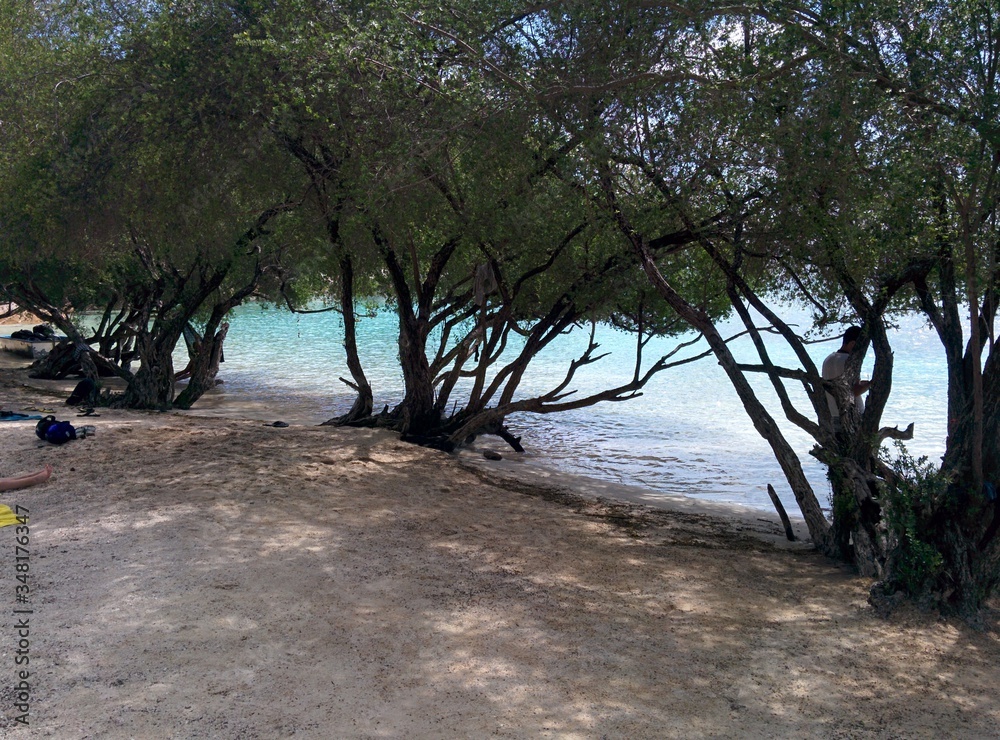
8, 517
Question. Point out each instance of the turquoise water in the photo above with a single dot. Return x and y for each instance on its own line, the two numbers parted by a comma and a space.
688, 434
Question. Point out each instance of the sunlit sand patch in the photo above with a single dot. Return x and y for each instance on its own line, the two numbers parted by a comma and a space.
167, 516
302, 538
236, 623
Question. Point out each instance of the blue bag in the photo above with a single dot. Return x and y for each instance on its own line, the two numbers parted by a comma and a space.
43, 426
60, 432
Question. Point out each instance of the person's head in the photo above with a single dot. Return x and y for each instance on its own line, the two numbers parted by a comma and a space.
850, 338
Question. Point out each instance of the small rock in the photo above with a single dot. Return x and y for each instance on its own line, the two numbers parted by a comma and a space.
491, 455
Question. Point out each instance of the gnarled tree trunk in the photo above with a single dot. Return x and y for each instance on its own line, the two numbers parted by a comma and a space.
152, 385
204, 367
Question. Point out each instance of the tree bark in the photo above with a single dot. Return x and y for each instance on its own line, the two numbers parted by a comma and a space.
152, 386
417, 410
204, 367
364, 401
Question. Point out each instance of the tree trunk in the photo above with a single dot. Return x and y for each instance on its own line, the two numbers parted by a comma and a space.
152, 386
57, 364
970, 573
857, 531
951, 554
417, 411
967, 523
204, 368
364, 402
819, 527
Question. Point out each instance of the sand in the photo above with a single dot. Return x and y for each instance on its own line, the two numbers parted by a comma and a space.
218, 578
18, 320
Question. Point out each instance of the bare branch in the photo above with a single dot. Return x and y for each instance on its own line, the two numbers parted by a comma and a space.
469, 50
895, 433
780, 372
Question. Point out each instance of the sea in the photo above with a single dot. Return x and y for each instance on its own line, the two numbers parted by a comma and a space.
687, 434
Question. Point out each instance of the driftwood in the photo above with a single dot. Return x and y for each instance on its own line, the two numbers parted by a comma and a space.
66, 358
781, 513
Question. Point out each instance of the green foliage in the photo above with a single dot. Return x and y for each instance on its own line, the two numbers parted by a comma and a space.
915, 500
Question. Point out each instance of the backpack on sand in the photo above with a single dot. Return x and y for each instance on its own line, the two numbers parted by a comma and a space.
60, 433
56, 432
42, 426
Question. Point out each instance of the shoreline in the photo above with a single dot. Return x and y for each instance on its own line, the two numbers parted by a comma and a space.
515, 469
195, 576
642, 502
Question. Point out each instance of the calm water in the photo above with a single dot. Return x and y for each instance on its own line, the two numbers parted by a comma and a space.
688, 434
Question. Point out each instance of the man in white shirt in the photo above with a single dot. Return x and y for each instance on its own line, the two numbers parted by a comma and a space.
833, 368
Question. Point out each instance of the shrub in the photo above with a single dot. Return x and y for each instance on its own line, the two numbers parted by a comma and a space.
914, 497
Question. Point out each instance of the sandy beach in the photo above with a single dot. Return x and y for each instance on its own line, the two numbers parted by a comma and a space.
209, 577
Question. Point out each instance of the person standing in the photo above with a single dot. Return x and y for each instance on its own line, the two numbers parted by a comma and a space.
834, 366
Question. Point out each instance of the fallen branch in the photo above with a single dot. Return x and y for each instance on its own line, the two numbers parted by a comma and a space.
781, 513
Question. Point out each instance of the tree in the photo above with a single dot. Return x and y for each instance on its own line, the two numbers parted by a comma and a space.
771, 136
936, 66
153, 183
433, 190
